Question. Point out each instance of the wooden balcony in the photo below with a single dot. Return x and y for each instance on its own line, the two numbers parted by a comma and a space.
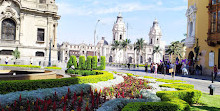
213, 39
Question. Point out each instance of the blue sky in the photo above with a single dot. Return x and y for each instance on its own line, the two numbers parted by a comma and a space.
78, 19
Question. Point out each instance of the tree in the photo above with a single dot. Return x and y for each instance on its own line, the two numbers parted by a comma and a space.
124, 46
16, 53
176, 48
156, 50
139, 47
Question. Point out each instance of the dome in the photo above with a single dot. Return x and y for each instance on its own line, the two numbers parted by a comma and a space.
103, 41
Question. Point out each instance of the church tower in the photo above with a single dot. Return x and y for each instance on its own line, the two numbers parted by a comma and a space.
119, 29
155, 34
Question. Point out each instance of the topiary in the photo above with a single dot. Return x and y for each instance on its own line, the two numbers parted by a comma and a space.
82, 64
94, 62
89, 63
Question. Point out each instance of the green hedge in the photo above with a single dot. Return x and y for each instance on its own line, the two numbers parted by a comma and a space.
169, 81
89, 63
27, 66
82, 72
178, 86
102, 67
94, 62
82, 63
190, 96
72, 61
59, 68
21, 85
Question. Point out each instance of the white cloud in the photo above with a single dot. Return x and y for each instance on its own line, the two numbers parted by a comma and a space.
159, 3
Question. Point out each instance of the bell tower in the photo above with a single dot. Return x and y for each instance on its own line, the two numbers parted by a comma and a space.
119, 29
155, 34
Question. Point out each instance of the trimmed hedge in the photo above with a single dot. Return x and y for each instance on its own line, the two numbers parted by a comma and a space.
27, 66
178, 86
102, 67
82, 63
82, 72
190, 96
72, 61
21, 85
89, 63
59, 68
169, 81
94, 62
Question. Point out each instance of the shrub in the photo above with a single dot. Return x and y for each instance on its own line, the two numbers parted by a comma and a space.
94, 62
27, 66
178, 86
59, 68
169, 81
21, 85
82, 64
102, 67
89, 63
190, 96
82, 72
72, 61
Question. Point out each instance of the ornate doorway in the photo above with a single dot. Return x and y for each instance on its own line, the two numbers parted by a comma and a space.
110, 59
8, 29
190, 58
130, 59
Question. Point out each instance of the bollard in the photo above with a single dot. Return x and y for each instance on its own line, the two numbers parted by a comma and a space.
212, 88
212, 77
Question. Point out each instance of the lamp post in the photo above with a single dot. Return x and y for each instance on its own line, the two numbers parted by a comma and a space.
49, 63
95, 35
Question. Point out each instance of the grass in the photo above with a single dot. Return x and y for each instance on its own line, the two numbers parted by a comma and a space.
207, 103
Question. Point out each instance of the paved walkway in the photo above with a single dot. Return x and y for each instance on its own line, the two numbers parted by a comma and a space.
200, 82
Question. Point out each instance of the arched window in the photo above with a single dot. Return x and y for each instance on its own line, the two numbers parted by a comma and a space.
190, 28
151, 41
120, 37
8, 29
110, 59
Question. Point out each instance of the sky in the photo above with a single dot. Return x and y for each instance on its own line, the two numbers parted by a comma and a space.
78, 19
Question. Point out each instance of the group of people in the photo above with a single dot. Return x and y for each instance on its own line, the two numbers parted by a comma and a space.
7, 60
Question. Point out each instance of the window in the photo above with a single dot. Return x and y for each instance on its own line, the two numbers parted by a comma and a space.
218, 28
42, 1
6, 52
151, 41
40, 34
120, 37
8, 29
213, 21
39, 54
190, 28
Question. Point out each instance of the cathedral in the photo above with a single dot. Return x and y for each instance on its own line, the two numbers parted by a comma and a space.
29, 26
104, 48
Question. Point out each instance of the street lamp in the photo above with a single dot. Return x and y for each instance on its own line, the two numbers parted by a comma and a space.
95, 35
49, 63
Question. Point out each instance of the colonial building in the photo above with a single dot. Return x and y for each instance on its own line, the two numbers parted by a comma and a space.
28, 25
103, 48
203, 33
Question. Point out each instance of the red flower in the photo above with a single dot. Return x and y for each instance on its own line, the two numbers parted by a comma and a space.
54, 106
20, 98
68, 90
141, 96
15, 104
28, 109
81, 93
64, 108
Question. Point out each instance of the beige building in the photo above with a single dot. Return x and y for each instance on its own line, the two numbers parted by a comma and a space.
28, 25
103, 48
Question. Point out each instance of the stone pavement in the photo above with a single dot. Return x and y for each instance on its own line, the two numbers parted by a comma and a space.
200, 82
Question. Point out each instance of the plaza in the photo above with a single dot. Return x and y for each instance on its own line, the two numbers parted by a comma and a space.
109, 55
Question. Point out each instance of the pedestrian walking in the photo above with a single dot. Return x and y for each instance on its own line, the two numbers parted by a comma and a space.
215, 71
31, 61
6, 60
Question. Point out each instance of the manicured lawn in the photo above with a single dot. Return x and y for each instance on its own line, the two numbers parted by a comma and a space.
208, 103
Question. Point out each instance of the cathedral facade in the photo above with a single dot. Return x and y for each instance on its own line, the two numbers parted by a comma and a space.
29, 26
104, 48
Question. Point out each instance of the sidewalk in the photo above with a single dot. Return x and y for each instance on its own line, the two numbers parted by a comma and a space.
200, 82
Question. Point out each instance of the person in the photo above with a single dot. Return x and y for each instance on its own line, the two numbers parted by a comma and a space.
31, 61
6, 60
155, 68
129, 65
215, 71
145, 67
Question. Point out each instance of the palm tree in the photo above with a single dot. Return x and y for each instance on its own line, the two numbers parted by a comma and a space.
176, 48
16, 53
124, 46
156, 50
139, 46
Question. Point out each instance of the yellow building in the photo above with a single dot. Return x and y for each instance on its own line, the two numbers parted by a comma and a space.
203, 30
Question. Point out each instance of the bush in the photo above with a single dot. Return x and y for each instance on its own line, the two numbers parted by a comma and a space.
59, 68
94, 62
102, 66
82, 72
26, 66
72, 61
178, 86
190, 96
89, 63
82, 64
21, 85
173, 105
169, 81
